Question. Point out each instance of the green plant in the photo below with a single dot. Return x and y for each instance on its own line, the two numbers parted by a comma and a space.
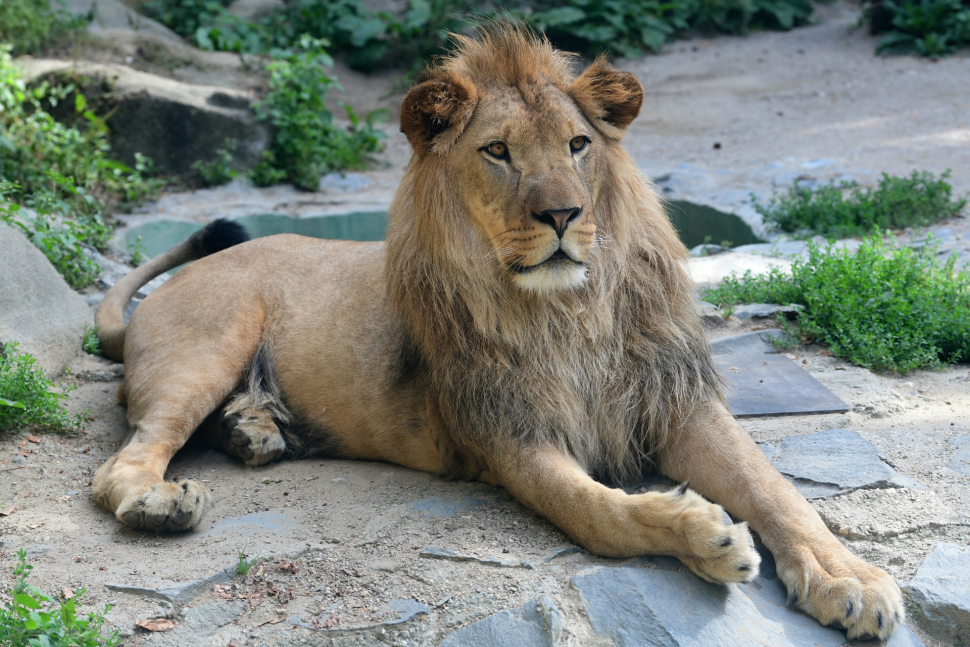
843, 210
882, 307
30, 25
31, 619
28, 396
136, 252
90, 341
931, 28
218, 172
307, 144
243, 565
184, 16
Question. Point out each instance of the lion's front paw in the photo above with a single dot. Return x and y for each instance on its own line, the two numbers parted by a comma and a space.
167, 507
253, 436
837, 588
717, 550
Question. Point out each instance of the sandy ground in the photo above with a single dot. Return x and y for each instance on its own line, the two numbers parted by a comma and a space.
342, 538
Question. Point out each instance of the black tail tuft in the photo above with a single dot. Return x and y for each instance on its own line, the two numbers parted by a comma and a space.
222, 234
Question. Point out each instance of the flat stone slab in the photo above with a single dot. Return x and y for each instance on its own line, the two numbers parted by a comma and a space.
960, 460
878, 515
206, 624
904, 637
832, 462
665, 608
433, 552
537, 623
174, 592
750, 343
773, 385
939, 595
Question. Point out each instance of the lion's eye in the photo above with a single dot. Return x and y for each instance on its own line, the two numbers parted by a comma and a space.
497, 150
577, 144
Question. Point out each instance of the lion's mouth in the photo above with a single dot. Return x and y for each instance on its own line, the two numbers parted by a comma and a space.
559, 257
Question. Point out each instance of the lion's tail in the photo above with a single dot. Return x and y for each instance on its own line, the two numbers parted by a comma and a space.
214, 237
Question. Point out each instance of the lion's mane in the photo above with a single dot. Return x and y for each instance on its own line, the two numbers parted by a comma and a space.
606, 371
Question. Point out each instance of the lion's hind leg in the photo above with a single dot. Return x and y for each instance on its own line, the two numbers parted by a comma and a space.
251, 422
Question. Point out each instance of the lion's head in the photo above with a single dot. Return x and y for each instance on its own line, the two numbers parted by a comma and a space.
524, 146
537, 278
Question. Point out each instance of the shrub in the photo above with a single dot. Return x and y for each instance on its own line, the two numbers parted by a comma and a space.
307, 144
30, 25
925, 27
218, 172
884, 308
27, 398
31, 619
843, 210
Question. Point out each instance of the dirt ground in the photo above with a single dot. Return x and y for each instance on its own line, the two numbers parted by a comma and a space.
340, 539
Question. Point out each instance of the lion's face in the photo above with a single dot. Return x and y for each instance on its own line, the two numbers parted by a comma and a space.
520, 148
528, 171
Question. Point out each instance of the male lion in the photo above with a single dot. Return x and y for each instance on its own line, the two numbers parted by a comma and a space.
528, 323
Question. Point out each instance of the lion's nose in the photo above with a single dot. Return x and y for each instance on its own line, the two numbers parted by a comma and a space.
558, 219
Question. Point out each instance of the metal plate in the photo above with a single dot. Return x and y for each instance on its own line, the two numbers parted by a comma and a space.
773, 385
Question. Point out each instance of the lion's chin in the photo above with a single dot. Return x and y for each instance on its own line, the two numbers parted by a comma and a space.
554, 278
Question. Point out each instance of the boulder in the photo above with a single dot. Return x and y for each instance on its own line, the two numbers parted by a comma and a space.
114, 14
747, 311
173, 123
939, 595
710, 314
538, 623
37, 308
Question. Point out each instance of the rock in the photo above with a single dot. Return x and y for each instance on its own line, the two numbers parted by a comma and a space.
752, 343
113, 271
253, 10
173, 123
175, 592
878, 515
37, 308
706, 249
667, 608
537, 623
710, 314
833, 462
19, 459
939, 595
710, 270
560, 551
747, 311
200, 625
904, 637
344, 182
114, 14
960, 460
434, 552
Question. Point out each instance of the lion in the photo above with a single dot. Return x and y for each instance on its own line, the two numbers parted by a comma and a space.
528, 323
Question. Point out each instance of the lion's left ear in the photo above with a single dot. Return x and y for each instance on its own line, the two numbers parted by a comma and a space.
434, 113
611, 99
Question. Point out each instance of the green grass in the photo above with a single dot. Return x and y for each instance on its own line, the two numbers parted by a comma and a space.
29, 399
35, 619
90, 342
244, 564
219, 171
883, 307
931, 28
844, 210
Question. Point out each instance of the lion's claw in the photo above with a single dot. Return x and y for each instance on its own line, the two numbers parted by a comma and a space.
167, 507
253, 436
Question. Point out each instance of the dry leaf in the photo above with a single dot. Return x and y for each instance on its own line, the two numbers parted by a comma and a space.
67, 593
332, 620
233, 643
159, 624
7, 512
33, 439
22, 443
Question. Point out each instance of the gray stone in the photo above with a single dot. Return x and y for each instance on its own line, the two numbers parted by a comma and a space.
19, 460
199, 623
114, 14
747, 311
37, 308
879, 515
434, 552
960, 459
834, 462
710, 313
904, 637
537, 623
774, 250
706, 249
664, 608
253, 10
560, 551
174, 592
751, 343
113, 271
344, 182
173, 123
939, 594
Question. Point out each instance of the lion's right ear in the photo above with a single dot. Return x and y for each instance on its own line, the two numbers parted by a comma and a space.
610, 98
434, 113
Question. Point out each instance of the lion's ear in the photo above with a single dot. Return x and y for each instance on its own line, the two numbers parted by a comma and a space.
610, 98
434, 113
